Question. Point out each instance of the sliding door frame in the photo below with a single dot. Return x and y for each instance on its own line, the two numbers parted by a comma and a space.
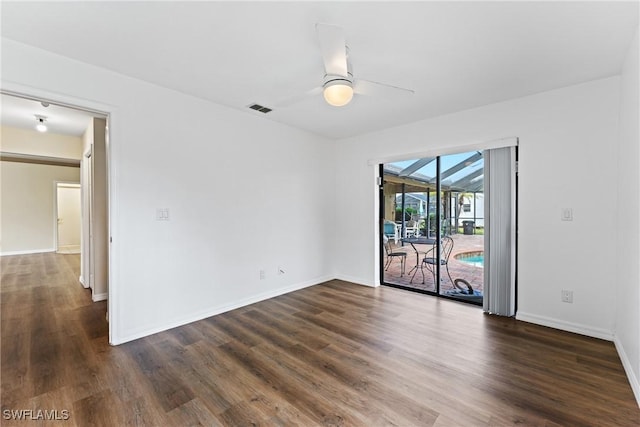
381, 222
438, 212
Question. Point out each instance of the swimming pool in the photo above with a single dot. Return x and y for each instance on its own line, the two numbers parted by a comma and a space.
474, 258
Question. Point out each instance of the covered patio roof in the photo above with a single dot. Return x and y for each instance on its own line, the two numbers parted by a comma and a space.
459, 172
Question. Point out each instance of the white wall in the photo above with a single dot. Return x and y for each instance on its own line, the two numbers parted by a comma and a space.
24, 141
244, 194
95, 250
628, 211
27, 205
568, 158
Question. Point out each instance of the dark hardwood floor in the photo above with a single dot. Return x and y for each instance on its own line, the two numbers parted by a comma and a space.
331, 354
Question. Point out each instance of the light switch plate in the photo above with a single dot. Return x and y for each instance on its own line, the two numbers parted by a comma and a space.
162, 214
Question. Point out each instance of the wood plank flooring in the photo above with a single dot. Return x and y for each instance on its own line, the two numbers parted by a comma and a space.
329, 355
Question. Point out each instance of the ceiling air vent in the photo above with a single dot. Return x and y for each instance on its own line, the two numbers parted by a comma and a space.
260, 108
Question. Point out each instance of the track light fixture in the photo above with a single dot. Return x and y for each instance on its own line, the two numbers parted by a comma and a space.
40, 126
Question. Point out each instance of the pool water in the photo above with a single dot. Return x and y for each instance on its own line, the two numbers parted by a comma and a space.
474, 258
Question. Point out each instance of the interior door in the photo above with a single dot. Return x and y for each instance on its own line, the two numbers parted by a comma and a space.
68, 217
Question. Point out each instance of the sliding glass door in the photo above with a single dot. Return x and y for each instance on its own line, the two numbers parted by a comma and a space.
432, 225
462, 239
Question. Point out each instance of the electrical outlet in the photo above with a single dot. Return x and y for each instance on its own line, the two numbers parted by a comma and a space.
566, 214
567, 296
263, 275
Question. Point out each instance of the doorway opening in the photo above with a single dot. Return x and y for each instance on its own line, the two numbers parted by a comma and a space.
68, 217
448, 226
80, 207
433, 225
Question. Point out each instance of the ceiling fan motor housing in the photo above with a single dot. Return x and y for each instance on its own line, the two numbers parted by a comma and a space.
331, 79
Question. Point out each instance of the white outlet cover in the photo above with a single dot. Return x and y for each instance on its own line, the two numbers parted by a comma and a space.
567, 214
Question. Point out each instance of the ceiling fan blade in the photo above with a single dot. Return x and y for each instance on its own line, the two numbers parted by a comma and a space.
333, 47
368, 87
290, 100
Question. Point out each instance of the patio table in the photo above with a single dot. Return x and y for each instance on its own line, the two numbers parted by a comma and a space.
413, 241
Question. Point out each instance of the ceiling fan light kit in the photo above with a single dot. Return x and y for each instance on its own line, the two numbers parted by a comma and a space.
337, 91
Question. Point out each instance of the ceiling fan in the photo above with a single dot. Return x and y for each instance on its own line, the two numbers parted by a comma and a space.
339, 85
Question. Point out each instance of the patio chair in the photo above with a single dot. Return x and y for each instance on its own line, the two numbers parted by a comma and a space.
430, 260
411, 229
391, 230
391, 254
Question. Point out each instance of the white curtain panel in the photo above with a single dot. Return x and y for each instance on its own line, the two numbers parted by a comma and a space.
500, 231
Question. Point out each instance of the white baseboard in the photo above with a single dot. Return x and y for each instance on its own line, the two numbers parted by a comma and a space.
99, 297
27, 252
565, 326
115, 340
356, 280
631, 375
69, 249
84, 285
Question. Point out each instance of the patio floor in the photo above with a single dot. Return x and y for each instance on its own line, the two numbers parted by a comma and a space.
459, 270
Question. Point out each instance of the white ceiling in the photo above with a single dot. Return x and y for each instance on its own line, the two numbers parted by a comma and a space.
20, 113
454, 55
